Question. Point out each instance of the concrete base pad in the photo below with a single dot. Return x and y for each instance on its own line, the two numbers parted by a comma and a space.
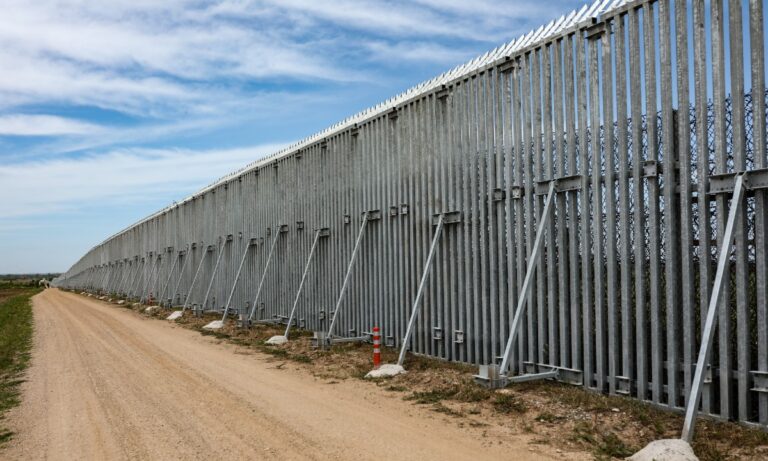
277, 340
120, 303
150, 309
665, 450
386, 371
215, 325
175, 315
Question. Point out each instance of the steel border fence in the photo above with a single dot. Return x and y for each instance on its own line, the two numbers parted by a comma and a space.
627, 261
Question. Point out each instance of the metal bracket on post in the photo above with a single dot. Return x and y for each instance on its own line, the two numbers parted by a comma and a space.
551, 374
322, 232
438, 220
563, 184
350, 265
708, 332
263, 277
726, 183
759, 381
251, 242
624, 385
497, 377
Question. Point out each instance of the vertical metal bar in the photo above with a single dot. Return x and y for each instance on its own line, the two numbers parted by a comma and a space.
521, 171
757, 49
702, 169
708, 333
587, 345
625, 257
548, 174
683, 154
610, 348
474, 223
738, 128
573, 77
499, 229
597, 215
537, 157
671, 209
528, 197
420, 291
561, 210
717, 37
657, 363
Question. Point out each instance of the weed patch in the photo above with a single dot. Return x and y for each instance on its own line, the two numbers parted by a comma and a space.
604, 443
508, 403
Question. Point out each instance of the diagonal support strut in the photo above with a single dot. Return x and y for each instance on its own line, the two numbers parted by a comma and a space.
708, 333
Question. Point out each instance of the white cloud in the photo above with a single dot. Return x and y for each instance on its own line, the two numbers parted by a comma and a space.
146, 59
44, 125
417, 51
164, 58
120, 176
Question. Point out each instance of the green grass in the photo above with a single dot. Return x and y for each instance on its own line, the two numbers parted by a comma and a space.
433, 396
15, 344
506, 403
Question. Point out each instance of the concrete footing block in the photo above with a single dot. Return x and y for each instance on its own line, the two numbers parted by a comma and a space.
665, 450
175, 315
215, 325
386, 371
277, 340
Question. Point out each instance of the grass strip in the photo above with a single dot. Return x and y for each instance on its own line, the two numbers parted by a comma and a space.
15, 345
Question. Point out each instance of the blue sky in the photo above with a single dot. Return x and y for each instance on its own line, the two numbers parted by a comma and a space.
110, 110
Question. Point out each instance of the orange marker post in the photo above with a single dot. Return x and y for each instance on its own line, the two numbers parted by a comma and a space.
376, 348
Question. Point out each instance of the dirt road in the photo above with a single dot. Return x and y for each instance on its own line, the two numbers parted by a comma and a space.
106, 383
